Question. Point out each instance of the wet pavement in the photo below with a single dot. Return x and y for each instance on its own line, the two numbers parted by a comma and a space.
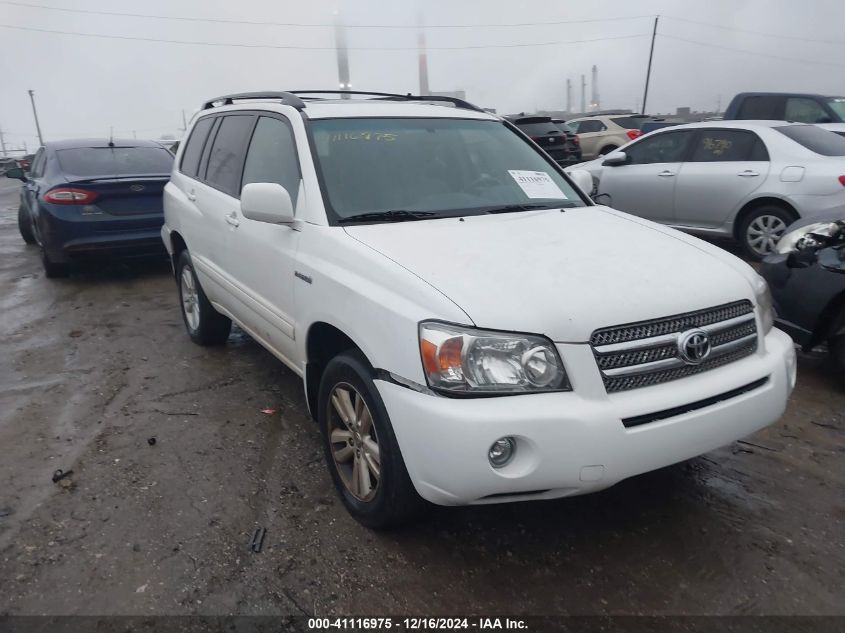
94, 366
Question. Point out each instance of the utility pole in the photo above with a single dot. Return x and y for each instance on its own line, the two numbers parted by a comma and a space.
568, 95
423, 57
35, 114
650, 57
583, 95
184, 122
342, 56
3, 144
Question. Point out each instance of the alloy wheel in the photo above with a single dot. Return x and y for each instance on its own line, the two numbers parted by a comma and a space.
354, 442
190, 299
764, 232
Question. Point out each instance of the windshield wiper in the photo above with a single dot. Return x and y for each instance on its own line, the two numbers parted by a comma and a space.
513, 208
388, 216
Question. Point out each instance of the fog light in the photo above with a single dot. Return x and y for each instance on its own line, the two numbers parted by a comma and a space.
501, 452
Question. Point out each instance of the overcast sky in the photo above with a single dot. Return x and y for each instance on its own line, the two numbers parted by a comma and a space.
84, 85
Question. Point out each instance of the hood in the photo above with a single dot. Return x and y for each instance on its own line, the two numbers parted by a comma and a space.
562, 274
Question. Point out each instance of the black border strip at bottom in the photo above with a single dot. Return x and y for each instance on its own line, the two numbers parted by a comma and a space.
638, 420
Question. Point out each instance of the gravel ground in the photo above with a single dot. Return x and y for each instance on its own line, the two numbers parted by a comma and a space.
95, 365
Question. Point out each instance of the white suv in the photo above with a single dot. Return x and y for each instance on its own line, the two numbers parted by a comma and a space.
470, 328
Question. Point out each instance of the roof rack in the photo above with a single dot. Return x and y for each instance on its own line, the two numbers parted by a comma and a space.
286, 98
390, 96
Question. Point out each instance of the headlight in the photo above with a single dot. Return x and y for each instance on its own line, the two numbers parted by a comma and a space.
465, 360
764, 305
801, 238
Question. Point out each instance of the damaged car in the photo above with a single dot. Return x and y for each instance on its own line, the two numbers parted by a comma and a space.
807, 280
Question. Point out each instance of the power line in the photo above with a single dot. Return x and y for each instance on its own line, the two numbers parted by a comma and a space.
739, 30
311, 24
742, 50
314, 48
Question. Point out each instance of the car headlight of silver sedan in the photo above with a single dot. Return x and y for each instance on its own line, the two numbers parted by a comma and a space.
805, 237
764, 304
469, 361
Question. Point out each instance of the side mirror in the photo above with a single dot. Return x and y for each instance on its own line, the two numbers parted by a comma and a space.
17, 173
266, 202
583, 179
614, 159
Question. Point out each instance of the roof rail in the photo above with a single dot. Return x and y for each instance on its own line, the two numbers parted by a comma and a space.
458, 103
286, 98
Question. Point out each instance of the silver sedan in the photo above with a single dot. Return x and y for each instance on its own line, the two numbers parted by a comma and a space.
743, 179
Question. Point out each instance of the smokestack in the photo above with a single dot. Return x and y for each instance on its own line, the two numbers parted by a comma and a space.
569, 95
583, 94
423, 57
595, 104
342, 55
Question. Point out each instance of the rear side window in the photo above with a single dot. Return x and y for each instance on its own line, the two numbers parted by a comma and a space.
764, 108
272, 156
227, 154
667, 147
728, 145
593, 125
90, 162
815, 139
193, 149
805, 110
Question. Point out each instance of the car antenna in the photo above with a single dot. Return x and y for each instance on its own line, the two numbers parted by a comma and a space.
111, 136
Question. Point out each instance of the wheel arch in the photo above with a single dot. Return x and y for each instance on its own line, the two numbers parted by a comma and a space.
756, 203
178, 243
323, 342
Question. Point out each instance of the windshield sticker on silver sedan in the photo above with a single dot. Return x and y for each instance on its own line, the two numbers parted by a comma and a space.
537, 184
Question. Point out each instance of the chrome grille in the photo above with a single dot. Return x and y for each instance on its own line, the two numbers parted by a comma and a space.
646, 353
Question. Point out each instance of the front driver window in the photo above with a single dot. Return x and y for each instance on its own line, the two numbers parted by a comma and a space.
805, 111
669, 147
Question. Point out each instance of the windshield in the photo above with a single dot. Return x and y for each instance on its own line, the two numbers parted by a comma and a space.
439, 167
837, 104
93, 162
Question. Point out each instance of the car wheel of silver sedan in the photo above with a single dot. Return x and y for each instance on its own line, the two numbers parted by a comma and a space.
761, 230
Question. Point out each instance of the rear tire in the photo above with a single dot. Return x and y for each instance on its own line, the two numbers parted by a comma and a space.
205, 325
25, 226
52, 270
760, 230
363, 445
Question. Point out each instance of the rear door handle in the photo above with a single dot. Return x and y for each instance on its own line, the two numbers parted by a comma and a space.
232, 219
748, 173
666, 173
192, 196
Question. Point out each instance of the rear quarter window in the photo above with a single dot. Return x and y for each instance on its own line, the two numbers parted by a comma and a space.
539, 129
193, 149
815, 139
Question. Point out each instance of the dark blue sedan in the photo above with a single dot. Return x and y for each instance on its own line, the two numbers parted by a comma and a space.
91, 197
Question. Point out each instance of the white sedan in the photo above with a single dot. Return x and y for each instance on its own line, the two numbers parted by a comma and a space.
743, 179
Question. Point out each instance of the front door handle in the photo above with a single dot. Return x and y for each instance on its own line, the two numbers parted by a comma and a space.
232, 219
192, 196
748, 173
666, 173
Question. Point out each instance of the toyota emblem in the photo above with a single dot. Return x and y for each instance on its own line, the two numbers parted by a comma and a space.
694, 346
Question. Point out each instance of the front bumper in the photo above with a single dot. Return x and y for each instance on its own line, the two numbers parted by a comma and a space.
574, 443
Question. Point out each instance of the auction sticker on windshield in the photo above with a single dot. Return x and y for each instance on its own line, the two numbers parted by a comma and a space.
537, 184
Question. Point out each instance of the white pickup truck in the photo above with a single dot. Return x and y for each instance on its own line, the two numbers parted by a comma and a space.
470, 328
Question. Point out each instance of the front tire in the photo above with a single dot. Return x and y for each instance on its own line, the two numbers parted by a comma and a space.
361, 449
205, 325
761, 229
836, 344
25, 226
